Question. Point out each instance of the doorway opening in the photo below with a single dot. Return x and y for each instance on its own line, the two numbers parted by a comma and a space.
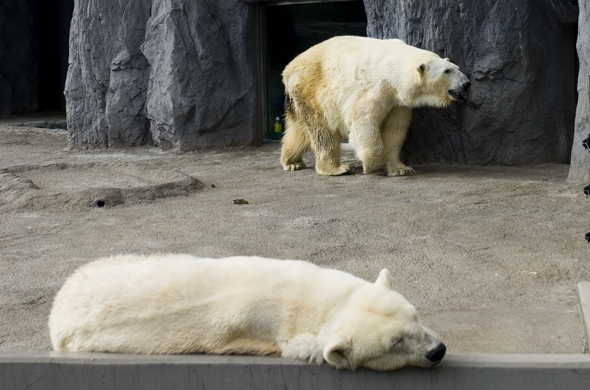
52, 29
34, 63
290, 29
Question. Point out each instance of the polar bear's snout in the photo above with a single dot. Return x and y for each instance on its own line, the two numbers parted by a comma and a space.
466, 86
458, 93
436, 354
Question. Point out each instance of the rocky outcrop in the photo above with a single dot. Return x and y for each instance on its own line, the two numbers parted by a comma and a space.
106, 87
520, 57
580, 162
202, 90
182, 74
19, 68
178, 74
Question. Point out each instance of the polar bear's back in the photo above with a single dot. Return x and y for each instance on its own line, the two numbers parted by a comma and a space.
187, 272
346, 55
126, 303
333, 76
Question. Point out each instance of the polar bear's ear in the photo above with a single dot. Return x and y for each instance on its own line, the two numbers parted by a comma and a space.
384, 280
421, 69
336, 354
446, 59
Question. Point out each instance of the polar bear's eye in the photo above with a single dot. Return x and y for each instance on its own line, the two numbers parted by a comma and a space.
447, 71
394, 342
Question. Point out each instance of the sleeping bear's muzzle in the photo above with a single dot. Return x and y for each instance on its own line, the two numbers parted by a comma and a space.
458, 94
433, 352
436, 354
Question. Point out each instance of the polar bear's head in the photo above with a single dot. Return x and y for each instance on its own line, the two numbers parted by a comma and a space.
380, 329
440, 82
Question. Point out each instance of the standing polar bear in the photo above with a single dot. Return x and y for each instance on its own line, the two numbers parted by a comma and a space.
363, 89
183, 304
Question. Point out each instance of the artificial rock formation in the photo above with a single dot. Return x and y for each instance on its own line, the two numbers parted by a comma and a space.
580, 162
106, 87
182, 74
178, 74
520, 57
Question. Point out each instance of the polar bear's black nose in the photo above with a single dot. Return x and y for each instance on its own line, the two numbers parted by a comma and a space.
436, 354
466, 85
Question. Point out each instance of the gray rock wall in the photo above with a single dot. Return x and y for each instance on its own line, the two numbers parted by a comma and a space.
580, 162
202, 90
106, 87
182, 74
520, 57
19, 69
178, 74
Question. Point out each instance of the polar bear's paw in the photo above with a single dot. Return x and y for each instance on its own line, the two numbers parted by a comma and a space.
333, 171
304, 346
296, 166
401, 171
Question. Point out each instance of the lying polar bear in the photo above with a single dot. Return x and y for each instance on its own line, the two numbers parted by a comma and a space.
244, 305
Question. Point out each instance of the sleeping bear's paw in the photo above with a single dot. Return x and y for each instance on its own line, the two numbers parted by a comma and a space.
304, 346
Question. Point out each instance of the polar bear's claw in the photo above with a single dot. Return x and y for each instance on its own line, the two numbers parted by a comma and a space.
404, 171
343, 169
294, 166
334, 171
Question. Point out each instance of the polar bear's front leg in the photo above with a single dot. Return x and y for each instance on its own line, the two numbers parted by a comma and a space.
394, 165
303, 346
368, 146
393, 132
364, 119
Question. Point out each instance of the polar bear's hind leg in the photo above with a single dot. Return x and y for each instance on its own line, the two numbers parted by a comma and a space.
295, 143
307, 127
326, 146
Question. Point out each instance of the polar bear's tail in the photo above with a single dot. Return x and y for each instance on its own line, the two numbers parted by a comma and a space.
295, 140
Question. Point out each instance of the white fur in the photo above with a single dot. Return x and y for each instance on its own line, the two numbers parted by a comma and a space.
183, 304
363, 89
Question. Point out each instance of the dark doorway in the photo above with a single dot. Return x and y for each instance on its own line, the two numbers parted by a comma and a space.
292, 29
52, 22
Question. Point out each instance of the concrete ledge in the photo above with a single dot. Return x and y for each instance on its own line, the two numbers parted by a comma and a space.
584, 297
94, 371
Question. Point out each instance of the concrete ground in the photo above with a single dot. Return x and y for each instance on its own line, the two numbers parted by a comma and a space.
490, 256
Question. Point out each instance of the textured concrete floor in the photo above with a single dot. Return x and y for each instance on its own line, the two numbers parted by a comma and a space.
490, 256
